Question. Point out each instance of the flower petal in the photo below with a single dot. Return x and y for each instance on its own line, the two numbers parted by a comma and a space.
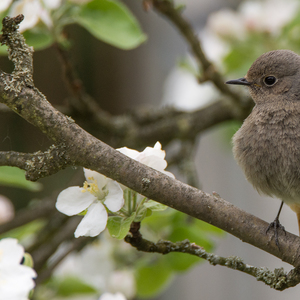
4, 4
12, 272
109, 296
156, 151
30, 9
73, 200
11, 253
114, 199
157, 145
100, 179
129, 152
52, 4
22, 275
169, 174
154, 162
93, 222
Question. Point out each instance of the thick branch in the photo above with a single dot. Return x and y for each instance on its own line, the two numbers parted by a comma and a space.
87, 151
141, 128
83, 149
39, 164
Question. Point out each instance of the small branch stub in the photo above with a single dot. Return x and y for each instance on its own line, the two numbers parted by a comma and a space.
19, 53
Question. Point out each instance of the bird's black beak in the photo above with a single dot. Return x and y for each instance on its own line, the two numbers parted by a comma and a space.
240, 81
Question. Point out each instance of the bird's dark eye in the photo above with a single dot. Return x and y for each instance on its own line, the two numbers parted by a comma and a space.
270, 80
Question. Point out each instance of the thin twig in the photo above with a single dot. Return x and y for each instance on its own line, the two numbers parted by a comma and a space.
168, 9
82, 149
45, 251
277, 279
41, 210
75, 244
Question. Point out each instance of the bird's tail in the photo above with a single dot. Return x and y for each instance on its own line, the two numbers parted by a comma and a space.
296, 209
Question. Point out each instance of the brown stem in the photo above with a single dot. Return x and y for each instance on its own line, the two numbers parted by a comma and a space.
277, 279
168, 9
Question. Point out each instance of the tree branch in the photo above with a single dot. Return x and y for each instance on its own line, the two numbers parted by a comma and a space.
41, 210
142, 127
39, 164
167, 8
277, 279
84, 150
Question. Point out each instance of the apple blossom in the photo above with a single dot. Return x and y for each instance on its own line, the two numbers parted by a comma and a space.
7, 210
97, 194
122, 281
52, 4
270, 15
4, 4
260, 16
33, 12
153, 157
109, 296
108, 278
16, 280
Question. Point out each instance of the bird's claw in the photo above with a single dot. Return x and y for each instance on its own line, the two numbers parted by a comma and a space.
276, 224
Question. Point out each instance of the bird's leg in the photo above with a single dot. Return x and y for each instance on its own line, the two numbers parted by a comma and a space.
276, 224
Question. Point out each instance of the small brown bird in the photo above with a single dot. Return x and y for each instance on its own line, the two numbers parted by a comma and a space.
267, 146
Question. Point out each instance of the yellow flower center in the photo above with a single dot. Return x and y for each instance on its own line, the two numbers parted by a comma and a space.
93, 188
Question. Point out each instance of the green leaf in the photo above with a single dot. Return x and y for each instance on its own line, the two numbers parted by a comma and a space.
181, 261
69, 285
27, 260
24, 231
111, 22
142, 214
118, 227
3, 50
12, 176
208, 228
155, 206
38, 38
152, 278
176, 226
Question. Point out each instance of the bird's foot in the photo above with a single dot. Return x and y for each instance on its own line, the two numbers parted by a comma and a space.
276, 224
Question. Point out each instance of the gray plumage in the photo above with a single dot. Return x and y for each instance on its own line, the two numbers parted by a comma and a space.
267, 146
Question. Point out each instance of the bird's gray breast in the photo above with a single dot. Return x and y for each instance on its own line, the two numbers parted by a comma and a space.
267, 148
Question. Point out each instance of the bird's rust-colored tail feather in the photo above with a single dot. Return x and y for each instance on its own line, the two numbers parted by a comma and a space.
296, 209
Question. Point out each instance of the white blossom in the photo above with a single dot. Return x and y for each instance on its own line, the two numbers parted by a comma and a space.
97, 194
4, 4
122, 281
270, 15
16, 280
85, 266
52, 4
260, 16
109, 296
226, 23
7, 210
153, 157
33, 12
182, 91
